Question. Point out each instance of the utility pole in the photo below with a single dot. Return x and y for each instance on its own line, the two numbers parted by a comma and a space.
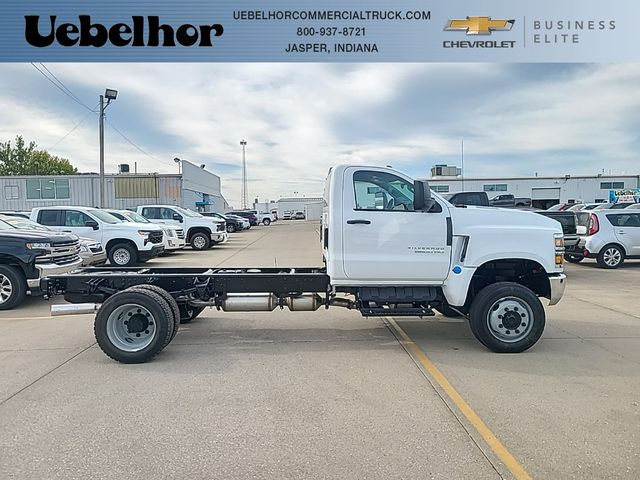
244, 193
462, 168
101, 204
110, 95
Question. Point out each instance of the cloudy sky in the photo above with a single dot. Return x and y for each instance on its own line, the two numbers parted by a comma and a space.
299, 119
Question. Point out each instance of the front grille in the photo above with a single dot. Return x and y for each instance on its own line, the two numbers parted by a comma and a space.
155, 237
68, 243
61, 260
61, 253
222, 227
180, 233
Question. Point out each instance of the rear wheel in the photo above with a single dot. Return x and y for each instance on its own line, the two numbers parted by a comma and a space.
611, 256
200, 241
133, 326
122, 255
266, 222
231, 228
13, 287
507, 317
167, 298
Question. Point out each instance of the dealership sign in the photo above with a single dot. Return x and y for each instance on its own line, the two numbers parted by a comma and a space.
625, 195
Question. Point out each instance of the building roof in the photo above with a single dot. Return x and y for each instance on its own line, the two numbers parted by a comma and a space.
300, 199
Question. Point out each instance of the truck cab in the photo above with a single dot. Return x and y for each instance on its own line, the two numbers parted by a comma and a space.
201, 232
125, 243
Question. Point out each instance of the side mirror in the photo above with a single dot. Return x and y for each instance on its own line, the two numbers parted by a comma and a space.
91, 223
177, 217
422, 200
581, 230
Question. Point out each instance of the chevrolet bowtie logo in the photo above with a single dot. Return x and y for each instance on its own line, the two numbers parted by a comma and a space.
479, 25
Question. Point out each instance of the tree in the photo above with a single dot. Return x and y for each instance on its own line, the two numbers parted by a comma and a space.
28, 160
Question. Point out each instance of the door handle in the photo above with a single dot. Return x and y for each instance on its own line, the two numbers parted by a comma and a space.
621, 233
358, 222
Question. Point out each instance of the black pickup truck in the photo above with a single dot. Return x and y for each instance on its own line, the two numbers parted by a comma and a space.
569, 223
26, 256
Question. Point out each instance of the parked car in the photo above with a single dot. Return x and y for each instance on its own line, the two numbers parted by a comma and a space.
264, 218
286, 215
201, 232
634, 206
457, 199
14, 213
621, 205
27, 256
603, 206
508, 200
173, 236
560, 207
234, 224
612, 236
126, 243
298, 216
246, 224
252, 217
91, 251
570, 230
579, 207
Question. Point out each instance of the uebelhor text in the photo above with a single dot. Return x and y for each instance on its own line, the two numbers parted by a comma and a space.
140, 32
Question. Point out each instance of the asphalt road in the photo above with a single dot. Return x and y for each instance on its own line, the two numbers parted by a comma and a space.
326, 394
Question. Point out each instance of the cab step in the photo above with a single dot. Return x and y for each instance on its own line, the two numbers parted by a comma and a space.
396, 312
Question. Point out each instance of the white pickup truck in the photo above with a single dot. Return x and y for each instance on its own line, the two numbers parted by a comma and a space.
201, 232
125, 243
391, 248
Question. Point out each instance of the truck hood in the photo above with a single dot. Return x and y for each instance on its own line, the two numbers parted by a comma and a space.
472, 218
136, 226
38, 236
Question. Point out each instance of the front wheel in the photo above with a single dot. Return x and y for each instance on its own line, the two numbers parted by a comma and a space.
266, 222
13, 287
122, 255
611, 256
231, 228
200, 241
507, 317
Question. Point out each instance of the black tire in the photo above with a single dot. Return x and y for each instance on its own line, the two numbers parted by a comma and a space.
122, 255
516, 310
13, 287
231, 228
189, 313
573, 258
266, 222
200, 241
161, 319
447, 311
167, 298
610, 256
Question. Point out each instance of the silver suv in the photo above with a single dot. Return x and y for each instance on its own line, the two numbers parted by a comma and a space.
612, 236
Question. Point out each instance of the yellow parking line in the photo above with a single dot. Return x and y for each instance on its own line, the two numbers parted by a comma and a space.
496, 446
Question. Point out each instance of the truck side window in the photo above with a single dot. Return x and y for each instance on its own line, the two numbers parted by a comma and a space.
166, 214
73, 218
382, 191
150, 212
50, 218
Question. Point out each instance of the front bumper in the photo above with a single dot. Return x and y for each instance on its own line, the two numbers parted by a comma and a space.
220, 237
557, 282
90, 259
47, 269
174, 243
144, 255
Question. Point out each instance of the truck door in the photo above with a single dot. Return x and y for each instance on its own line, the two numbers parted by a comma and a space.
75, 221
384, 238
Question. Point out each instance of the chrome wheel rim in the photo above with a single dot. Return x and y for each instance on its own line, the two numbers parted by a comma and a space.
131, 327
199, 241
122, 256
6, 288
510, 319
612, 256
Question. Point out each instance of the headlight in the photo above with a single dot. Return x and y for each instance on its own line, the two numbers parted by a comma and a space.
143, 233
83, 248
36, 245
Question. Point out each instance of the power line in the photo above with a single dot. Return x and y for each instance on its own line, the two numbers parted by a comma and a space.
135, 145
64, 86
61, 86
71, 131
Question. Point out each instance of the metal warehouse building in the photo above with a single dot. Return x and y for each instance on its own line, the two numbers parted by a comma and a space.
195, 188
544, 191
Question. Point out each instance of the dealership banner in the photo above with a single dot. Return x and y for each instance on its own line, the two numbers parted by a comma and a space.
320, 31
631, 195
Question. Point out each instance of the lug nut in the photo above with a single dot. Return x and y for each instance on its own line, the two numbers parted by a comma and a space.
129, 313
147, 332
517, 331
126, 322
522, 315
523, 324
508, 332
137, 334
500, 326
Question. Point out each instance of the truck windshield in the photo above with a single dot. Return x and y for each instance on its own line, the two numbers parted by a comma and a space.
105, 217
186, 212
5, 226
135, 217
24, 224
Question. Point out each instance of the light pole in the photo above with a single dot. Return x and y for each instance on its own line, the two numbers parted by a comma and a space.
179, 162
109, 94
244, 193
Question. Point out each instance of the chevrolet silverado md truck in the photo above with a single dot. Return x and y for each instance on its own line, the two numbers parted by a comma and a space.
391, 248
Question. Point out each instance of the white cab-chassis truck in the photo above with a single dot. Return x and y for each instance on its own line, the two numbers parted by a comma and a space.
391, 248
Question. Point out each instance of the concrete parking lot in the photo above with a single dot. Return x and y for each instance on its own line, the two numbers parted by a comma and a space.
327, 395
